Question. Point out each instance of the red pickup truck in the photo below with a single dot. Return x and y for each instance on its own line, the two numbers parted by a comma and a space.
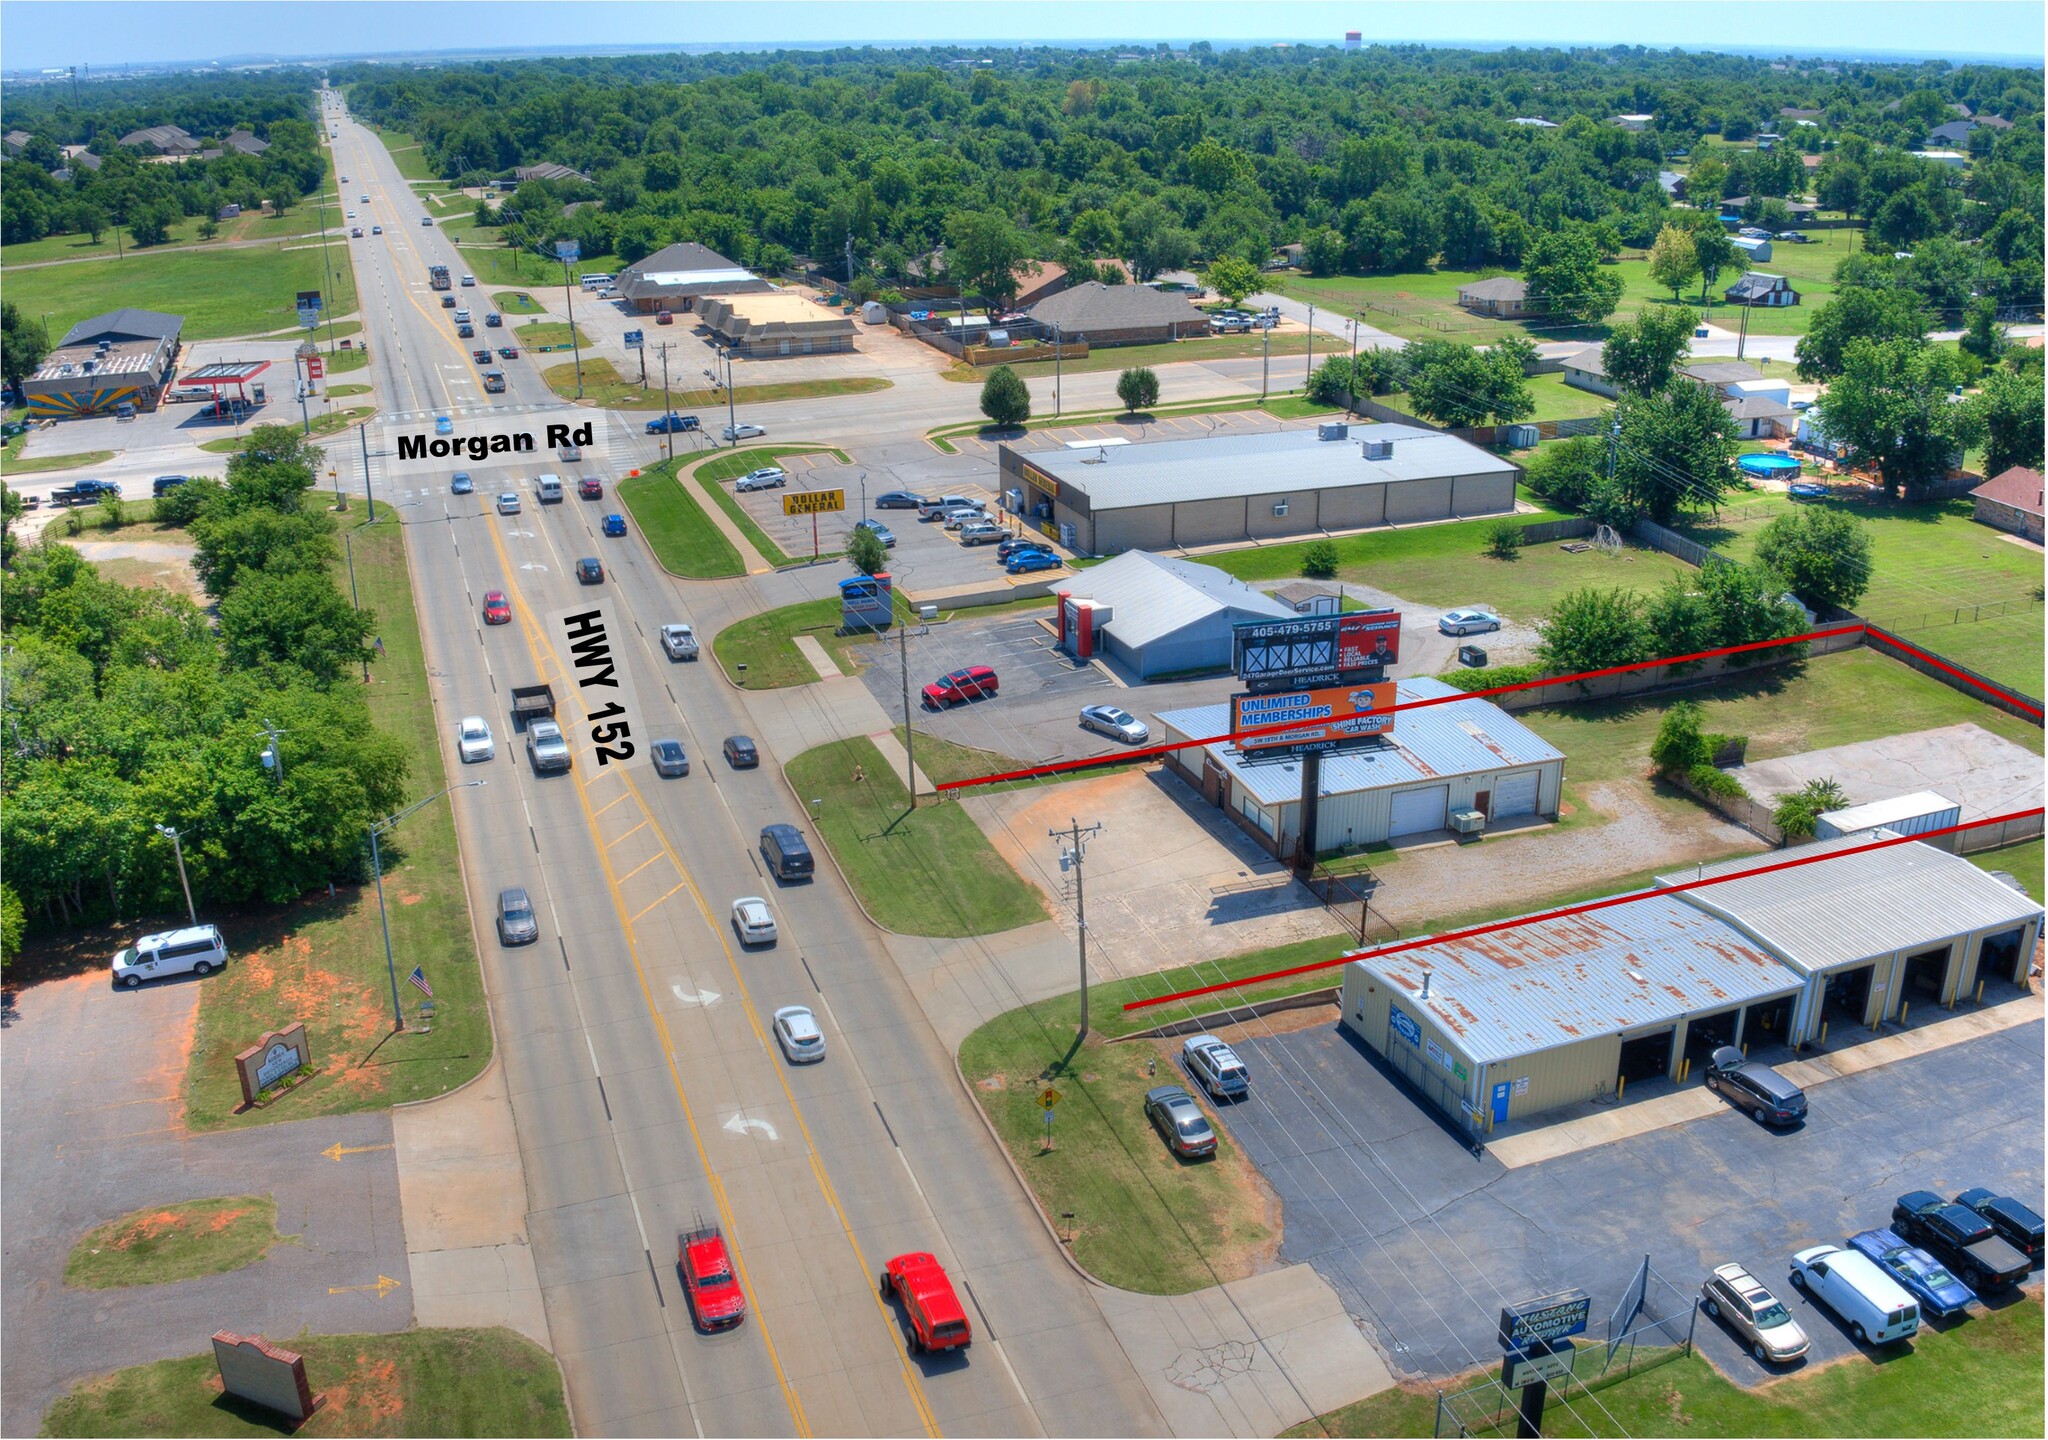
591, 488
937, 1322
714, 1290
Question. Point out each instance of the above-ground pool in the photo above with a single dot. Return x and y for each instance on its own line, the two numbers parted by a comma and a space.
1771, 467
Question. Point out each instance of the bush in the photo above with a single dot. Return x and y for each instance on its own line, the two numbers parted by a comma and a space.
1504, 540
1679, 747
1489, 676
181, 504
1138, 389
1798, 814
1594, 629
1822, 555
1330, 382
1718, 783
1003, 397
1319, 561
1565, 471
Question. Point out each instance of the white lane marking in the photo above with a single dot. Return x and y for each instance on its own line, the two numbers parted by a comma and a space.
703, 998
742, 1122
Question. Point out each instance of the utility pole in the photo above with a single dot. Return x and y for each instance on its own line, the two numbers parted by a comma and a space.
1070, 858
1265, 363
849, 262
369, 498
569, 295
1055, 369
1351, 383
668, 434
1308, 362
909, 734
1742, 340
273, 756
191, 915
1613, 443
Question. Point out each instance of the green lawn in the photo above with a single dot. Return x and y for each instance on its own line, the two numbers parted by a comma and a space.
480, 1383
322, 960
735, 463
327, 424
928, 871
942, 762
407, 155
1980, 1377
12, 463
2023, 862
1290, 348
494, 263
1446, 565
1931, 564
1784, 710
219, 292
516, 302
684, 539
1556, 400
163, 1243
1144, 1220
764, 644
603, 385
299, 224
1283, 407
536, 333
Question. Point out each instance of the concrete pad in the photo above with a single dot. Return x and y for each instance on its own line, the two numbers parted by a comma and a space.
482, 1285
820, 660
1984, 773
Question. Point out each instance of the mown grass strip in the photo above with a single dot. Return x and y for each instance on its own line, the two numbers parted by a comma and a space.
683, 537
163, 1243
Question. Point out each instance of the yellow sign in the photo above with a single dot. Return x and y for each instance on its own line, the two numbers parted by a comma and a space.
813, 502
1050, 1098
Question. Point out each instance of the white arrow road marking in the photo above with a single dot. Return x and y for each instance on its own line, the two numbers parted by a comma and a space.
531, 564
705, 998
741, 1123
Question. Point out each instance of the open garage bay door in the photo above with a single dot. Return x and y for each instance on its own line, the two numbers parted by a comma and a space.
1418, 810
1515, 795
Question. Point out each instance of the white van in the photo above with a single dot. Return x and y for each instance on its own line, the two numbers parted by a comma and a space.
196, 950
1875, 1307
596, 282
550, 487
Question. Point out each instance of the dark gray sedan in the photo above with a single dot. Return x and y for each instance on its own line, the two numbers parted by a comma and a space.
669, 759
516, 922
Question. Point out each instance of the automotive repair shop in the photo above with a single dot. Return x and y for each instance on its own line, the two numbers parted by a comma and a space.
1464, 757
1556, 1012
1105, 499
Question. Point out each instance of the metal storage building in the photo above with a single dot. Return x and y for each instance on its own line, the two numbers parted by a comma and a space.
1160, 616
1902, 815
1870, 932
1504, 1026
1176, 493
1466, 755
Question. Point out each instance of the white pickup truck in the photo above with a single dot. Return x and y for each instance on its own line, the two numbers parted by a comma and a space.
680, 641
546, 750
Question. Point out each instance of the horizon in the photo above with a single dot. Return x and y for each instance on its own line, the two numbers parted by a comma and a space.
42, 35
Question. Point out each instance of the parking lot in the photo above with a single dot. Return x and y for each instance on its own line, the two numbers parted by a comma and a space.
1027, 666
1425, 1242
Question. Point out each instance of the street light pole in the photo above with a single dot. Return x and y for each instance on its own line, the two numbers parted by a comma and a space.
191, 915
1055, 369
909, 732
1308, 362
569, 295
384, 915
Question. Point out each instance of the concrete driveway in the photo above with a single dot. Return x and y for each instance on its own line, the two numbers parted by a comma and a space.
1984, 773
1426, 1242
91, 1094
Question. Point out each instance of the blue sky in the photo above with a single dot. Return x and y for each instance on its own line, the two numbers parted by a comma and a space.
37, 33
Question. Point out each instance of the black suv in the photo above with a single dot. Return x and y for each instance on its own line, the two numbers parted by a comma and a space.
1757, 1088
1960, 1236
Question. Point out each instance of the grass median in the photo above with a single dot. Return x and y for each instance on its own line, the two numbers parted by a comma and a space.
321, 961
683, 537
928, 871
1981, 1377
603, 385
175, 1242
487, 1382
517, 302
333, 422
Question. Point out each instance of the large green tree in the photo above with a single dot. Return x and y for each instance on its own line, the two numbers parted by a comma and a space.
1674, 258
1893, 408
21, 344
985, 253
1676, 450
1856, 313
1822, 554
1004, 398
1564, 274
1457, 385
2011, 406
1641, 355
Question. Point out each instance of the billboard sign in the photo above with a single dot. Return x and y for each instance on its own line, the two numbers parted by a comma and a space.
1366, 638
1536, 1323
1325, 718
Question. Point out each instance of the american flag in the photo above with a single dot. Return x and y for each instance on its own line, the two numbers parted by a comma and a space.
419, 978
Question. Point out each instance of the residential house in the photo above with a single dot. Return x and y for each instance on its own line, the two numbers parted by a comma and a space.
1761, 288
1671, 183
1120, 314
1635, 122
2011, 501
1811, 432
1954, 159
1956, 133
1036, 285
1730, 377
161, 140
1505, 297
1585, 370
1535, 122
15, 141
244, 143
1761, 417
1767, 140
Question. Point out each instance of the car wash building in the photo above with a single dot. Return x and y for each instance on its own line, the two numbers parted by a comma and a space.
1867, 934
1463, 757
1508, 1025
124, 358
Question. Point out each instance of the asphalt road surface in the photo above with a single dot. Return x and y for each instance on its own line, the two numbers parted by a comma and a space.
648, 1095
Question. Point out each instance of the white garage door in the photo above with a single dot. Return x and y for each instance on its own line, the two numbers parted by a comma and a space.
1420, 809
1515, 795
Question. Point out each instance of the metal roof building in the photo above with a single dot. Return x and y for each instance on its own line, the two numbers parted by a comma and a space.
1462, 756
125, 357
1503, 1026
677, 277
1872, 932
1156, 615
1274, 484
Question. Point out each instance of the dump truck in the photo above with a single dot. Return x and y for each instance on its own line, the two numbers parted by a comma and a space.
437, 276
532, 702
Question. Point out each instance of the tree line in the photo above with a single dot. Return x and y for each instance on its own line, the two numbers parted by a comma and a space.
132, 708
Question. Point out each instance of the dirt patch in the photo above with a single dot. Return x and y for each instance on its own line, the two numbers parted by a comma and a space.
368, 1400
1280, 1022
994, 1082
297, 988
143, 564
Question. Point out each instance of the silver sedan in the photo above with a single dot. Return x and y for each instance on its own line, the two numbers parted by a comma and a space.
1116, 723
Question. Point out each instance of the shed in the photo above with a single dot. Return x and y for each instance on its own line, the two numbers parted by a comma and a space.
1914, 814
1751, 249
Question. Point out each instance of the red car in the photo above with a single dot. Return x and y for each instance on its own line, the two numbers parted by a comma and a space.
664, 318
592, 488
936, 1320
497, 609
716, 1299
969, 684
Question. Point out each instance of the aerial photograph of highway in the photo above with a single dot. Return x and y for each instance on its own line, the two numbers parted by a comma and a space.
892, 718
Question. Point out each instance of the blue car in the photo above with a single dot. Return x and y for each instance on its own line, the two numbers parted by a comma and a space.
614, 524
460, 484
1925, 1278
443, 425
1026, 561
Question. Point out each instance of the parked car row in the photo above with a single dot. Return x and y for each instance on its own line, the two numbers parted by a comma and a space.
1938, 1257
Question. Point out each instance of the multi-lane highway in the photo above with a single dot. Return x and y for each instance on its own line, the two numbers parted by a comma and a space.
647, 1092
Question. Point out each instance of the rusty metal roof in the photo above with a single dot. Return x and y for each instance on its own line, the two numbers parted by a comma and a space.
1556, 982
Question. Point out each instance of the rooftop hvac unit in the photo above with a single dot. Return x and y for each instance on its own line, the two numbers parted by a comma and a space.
1523, 437
1332, 430
1379, 449
1469, 822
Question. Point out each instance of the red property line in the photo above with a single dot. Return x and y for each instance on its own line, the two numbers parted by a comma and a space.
1591, 905
1124, 757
